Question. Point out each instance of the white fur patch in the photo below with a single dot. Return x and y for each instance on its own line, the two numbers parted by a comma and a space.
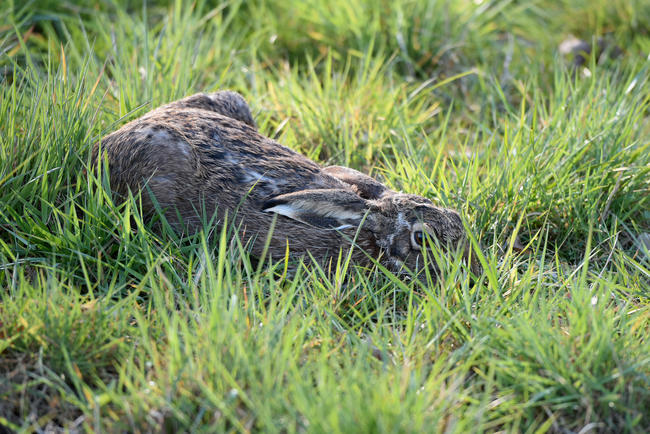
156, 133
255, 177
162, 138
401, 221
284, 209
230, 158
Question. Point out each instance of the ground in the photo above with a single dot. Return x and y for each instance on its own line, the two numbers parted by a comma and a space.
108, 325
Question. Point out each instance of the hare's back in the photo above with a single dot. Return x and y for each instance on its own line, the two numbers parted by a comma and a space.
233, 155
181, 149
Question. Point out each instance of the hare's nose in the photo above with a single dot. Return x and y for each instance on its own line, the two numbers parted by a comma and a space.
395, 252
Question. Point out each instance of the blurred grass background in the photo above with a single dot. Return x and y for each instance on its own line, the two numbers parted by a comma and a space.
107, 326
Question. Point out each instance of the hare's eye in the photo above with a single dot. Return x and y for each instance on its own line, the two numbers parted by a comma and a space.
418, 239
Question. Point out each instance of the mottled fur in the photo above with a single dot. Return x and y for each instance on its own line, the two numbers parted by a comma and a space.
204, 154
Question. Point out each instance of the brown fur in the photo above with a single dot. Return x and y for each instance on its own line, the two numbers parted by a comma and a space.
203, 155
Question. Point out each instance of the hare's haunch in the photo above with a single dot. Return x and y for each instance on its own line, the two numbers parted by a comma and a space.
202, 155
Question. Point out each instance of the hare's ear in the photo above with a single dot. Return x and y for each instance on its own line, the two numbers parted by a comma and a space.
362, 184
233, 105
325, 209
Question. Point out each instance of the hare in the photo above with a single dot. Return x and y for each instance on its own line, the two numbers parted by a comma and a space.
203, 155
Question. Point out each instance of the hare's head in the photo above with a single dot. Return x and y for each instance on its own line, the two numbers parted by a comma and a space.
408, 227
397, 228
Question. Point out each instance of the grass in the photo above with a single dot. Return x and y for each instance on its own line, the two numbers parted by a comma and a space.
106, 325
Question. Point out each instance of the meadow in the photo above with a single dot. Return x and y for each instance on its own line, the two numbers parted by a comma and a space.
107, 325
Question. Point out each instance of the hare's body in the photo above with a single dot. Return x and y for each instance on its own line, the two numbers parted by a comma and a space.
203, 155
